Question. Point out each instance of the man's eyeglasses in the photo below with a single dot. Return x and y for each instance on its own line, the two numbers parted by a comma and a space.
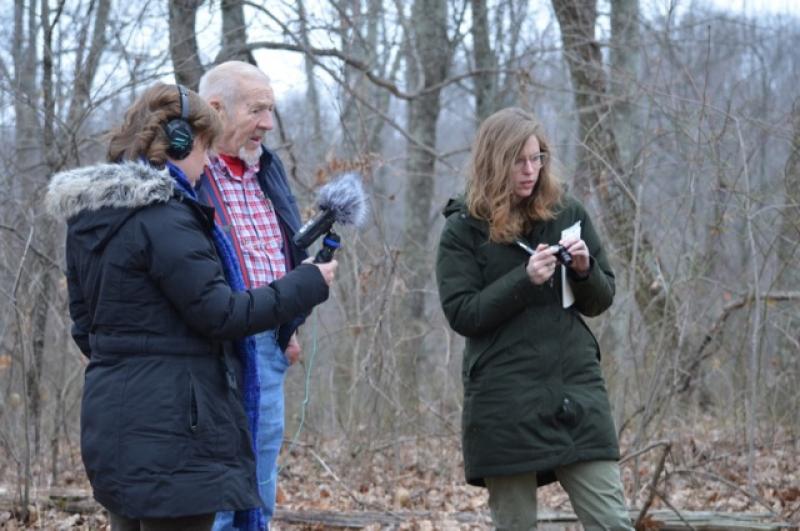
537, 159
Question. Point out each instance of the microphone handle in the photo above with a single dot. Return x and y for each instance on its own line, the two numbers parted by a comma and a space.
315, 227
330, 243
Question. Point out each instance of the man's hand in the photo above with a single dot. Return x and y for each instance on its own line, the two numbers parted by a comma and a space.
293, 350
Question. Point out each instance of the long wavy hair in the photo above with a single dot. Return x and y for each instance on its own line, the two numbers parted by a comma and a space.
142, 134
490, 192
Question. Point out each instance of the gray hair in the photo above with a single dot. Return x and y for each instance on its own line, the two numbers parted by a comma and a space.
224, 80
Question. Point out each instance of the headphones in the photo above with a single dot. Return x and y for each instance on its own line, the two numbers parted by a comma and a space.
179, 132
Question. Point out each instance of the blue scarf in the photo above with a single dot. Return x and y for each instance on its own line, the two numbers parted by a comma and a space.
252, 519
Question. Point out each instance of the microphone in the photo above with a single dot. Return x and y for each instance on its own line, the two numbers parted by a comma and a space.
342, 200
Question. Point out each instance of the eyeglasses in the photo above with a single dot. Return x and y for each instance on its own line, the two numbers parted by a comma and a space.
537, 159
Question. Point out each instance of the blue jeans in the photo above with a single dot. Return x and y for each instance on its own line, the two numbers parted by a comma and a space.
272, 365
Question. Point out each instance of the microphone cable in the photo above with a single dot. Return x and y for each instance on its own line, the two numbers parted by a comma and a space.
306, 388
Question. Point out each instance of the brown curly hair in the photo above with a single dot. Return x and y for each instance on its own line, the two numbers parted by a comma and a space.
490, 193
142, 134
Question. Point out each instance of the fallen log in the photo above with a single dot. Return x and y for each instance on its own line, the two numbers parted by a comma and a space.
662, 519
358, 519
80, 501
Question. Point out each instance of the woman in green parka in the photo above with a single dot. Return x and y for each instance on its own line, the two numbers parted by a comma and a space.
536, 408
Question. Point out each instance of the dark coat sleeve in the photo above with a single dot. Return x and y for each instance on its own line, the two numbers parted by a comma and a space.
471, 307
183, 262
274, 184
595, 293
78, 310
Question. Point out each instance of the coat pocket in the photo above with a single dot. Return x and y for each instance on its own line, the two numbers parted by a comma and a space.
589, 331
154, 433
193, 414
102, 408
214, 431
476, 351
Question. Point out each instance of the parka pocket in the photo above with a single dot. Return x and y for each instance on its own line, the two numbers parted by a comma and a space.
153, 424
213, 429
589, 331
478, 350
193, 414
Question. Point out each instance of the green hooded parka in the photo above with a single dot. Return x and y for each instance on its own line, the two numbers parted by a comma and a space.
534, 395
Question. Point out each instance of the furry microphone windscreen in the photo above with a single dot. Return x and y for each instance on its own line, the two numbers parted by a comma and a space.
345, 197
343, 201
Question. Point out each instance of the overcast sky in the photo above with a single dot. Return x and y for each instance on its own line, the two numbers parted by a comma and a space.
779, 7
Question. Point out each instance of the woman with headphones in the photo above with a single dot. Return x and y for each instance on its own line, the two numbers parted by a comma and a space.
158, 307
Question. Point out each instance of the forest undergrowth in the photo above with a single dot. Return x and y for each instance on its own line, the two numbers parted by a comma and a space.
706, 469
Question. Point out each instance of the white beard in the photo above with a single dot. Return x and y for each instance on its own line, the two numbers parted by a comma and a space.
250, 157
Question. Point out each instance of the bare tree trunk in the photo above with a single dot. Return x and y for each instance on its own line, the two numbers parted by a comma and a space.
39, 285
789, 256
311, 91
356, 116
40, 275
41, 296
27, 153
625, 59
28, 160
486, 82
48, 132
430, 42
601, 172
598, 155
789, 248
599, 166
361, 25
507, 40
234, 34
47, 243
354, 91
387, 68
183, 42
85, 70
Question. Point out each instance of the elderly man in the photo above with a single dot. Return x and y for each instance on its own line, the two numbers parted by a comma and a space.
247, 185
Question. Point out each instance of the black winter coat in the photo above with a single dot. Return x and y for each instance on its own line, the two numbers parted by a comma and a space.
163, 430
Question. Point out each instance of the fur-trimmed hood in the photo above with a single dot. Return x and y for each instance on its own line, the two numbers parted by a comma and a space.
126, 185
97, 200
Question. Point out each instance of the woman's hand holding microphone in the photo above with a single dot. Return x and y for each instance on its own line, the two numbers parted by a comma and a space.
328, 269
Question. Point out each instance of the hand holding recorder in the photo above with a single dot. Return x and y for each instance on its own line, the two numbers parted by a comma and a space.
542, 263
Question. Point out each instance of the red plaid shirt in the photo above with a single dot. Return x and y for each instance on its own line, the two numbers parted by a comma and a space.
254, 221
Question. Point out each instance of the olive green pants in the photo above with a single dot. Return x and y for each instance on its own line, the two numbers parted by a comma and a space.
594, 489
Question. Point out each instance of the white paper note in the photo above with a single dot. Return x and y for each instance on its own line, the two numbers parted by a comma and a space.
567, 297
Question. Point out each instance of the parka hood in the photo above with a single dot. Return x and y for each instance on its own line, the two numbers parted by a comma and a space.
126, 185
458, 205
454, 204
97, 200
